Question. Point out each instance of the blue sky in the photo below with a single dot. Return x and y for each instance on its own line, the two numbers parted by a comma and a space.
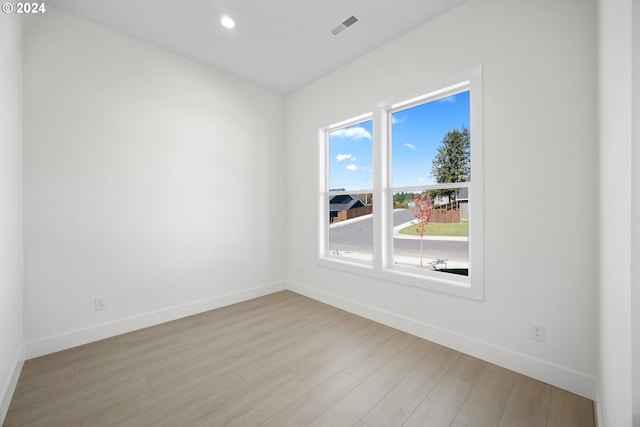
416, 135
350, 153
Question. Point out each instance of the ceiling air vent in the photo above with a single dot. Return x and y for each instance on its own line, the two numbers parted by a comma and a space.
344, 25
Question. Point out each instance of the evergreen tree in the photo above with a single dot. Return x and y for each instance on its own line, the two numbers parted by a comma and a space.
452, 161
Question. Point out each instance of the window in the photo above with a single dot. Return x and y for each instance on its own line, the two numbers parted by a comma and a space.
350, 193
400, 189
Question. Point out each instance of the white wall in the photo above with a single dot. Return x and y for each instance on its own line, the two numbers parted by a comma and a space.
540, 136
150, 180
11, 347
618, 160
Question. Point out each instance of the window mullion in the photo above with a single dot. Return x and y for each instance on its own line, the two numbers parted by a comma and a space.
323, 194
380, 184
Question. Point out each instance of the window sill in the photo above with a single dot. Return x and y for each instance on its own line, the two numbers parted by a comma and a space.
426, 279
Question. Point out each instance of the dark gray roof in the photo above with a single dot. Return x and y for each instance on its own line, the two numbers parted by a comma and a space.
344, 202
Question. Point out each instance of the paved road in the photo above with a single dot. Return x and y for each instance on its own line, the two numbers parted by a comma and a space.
357, 236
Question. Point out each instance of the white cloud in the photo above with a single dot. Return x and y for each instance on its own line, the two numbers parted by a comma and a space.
352, 133
421, 179
353, 159
352, 168
341, 157
408, 145
397, 120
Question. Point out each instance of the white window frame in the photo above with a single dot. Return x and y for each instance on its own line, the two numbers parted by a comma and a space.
382, 265
326, 193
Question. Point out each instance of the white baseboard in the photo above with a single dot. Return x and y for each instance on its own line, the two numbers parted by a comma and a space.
566, 379
10, 387
106, 330
596, 406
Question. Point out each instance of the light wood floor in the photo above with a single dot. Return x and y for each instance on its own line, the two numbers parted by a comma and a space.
281, 360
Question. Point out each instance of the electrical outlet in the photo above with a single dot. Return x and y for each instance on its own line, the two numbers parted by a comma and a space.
536, 331
100, 303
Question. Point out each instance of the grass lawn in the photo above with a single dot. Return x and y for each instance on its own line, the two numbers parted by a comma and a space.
440, 229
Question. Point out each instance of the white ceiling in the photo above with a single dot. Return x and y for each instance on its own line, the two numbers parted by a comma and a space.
280, 44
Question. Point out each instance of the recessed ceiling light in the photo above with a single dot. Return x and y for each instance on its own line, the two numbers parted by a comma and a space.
227, 21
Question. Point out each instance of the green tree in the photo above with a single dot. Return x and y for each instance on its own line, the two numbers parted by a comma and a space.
452, 161
402, 200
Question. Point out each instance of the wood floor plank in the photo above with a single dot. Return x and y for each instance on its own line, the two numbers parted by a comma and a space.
112, 372
289, 316
321, 316
467, 368
403, 399
177, 410
66, 390
352, 407
228, 404
45, 363
528, 404
244, 354
442, 404
306, 408
149, 402
333, 358
379, 355
70, 407
241, 329
228, 358
252, 413
218, 354
569, 410
362, 341
486, 402
318, 358
315, 340
43, 379
84, 351
260, 312
133, 359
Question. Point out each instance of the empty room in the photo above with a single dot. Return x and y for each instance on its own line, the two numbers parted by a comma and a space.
340, 213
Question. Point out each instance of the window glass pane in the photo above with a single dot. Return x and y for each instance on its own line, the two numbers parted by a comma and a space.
350, 157
430, 142
443, 244
351, 226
